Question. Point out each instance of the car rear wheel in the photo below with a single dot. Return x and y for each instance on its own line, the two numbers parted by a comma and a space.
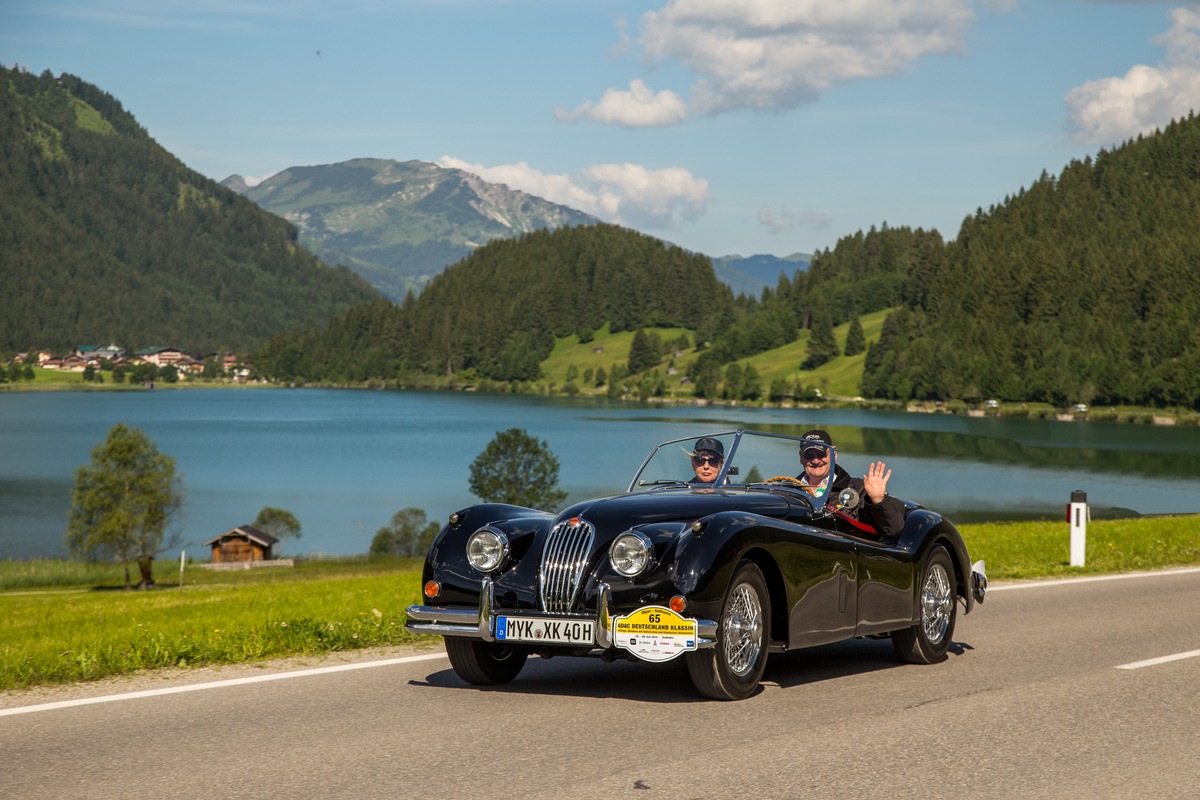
928, 640
732, 668
485, 663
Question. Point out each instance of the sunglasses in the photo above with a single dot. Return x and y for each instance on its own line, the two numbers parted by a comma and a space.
714, 460
813, 455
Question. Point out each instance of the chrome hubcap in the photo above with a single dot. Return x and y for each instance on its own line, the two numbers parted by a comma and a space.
937, 603
742, 630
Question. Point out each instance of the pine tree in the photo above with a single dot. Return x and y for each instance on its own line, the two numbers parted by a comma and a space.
856, 342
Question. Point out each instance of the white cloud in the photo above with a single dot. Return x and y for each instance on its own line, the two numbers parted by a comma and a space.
1111, 110
789, 219
640, 107
781, 53
625, 194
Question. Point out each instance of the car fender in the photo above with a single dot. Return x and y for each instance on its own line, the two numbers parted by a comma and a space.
923, 530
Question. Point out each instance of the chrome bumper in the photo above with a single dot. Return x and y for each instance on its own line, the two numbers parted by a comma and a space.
480, 623
978, 581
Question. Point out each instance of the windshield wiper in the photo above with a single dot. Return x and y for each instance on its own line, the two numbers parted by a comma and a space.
663, 482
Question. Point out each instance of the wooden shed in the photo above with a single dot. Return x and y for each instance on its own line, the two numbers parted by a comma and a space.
243, 543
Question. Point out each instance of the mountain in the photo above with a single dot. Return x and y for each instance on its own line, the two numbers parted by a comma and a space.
397, 224
107, 237
749, 276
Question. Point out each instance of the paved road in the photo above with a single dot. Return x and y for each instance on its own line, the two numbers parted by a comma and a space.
1036, 701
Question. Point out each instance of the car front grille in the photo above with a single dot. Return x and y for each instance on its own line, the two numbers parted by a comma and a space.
563, 561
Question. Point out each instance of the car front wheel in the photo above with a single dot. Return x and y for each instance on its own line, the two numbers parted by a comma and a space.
732, 668
928, 640
484, 663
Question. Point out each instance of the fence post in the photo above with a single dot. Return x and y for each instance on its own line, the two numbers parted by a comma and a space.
1077, 514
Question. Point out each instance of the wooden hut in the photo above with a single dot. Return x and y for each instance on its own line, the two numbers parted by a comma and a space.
243, 543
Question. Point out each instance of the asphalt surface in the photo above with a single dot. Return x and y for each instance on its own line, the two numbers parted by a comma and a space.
1043, 696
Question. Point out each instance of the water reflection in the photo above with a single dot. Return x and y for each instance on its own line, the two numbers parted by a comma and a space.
344, 461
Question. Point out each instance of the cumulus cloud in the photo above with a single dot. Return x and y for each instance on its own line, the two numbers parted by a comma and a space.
640, 107
775, 54
1110, 110
789, 219
625, 194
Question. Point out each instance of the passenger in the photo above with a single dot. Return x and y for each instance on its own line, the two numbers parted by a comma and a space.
885, 514
707, 458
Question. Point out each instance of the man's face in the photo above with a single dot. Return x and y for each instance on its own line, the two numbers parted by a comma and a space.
706, 466
816, 464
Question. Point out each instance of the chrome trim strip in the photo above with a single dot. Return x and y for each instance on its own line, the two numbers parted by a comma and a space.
443, 630
487, 602
440, 615
603, 617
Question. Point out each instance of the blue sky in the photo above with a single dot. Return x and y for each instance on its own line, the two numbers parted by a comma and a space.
725, 126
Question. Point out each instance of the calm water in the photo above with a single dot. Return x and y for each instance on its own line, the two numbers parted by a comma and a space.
344, 461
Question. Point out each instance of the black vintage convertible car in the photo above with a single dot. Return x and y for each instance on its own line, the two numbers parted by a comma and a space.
721, 573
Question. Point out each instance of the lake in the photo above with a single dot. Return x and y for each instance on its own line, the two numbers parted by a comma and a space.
344, 461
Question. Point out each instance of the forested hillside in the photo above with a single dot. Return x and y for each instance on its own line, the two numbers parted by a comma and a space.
1082, 288
496, 314
106, 237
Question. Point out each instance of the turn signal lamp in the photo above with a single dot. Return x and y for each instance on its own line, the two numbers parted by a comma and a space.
432, 589
678, 603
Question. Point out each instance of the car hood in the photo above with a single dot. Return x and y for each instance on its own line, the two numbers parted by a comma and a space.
620, 512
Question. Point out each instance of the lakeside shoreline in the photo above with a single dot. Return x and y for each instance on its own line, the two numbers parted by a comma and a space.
1138, 415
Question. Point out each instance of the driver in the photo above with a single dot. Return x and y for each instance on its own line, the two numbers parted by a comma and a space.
874, 506
707, 458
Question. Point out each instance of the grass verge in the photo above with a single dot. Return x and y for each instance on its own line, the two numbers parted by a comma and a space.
64, 635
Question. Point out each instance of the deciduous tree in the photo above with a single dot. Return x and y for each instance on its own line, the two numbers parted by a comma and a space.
408, 534
123, 501
517, 468
279, 523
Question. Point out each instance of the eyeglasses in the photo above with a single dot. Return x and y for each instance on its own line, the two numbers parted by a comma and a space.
812, 455
714, 460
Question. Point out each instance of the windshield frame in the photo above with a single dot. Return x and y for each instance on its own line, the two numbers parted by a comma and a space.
667, 462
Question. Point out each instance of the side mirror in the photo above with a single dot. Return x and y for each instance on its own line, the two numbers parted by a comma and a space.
848, 498
733, 470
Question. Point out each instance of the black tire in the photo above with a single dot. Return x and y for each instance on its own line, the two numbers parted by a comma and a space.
928, 640
732, 668
485, 663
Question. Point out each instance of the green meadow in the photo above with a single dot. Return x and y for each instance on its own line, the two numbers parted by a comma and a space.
64, 622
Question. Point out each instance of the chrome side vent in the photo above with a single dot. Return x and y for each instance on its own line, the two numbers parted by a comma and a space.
563, 562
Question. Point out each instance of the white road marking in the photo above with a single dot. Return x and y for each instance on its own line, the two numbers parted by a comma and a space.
1053, 582
1150, 662
1154, 662
196, 687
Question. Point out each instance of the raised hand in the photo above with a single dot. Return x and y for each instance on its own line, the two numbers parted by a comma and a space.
876, 480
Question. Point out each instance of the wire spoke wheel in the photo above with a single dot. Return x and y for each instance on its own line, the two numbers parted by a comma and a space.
937, 603
927, 641
732, 668
742, 630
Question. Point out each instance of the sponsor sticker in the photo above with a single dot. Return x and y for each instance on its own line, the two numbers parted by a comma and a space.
655, 633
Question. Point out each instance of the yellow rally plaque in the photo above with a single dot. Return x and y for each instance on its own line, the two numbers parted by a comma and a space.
655, 633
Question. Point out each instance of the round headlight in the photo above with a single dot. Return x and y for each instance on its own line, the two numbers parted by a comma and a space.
487, 549
631, 553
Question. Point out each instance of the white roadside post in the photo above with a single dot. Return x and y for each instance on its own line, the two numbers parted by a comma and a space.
1077, 515
182, 554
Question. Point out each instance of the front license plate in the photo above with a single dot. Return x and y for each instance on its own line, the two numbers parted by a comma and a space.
544, 630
